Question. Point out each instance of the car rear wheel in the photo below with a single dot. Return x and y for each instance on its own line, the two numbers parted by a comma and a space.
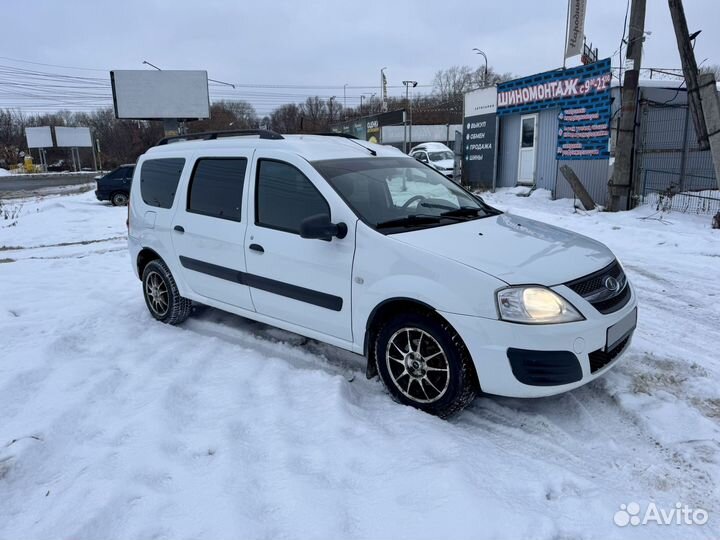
162, 296
119, 199
423, 363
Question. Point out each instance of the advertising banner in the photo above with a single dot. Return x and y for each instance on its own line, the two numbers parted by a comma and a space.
576, 28
581, 94
369, 128
70, 137
39, 137
480, 137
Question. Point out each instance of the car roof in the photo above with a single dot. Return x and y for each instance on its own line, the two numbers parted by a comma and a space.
310, 147
430, 146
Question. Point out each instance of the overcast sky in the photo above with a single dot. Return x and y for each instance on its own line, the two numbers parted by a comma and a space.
328, 43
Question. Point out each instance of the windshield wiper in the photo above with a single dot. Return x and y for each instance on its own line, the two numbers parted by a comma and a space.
414, 219
465, 211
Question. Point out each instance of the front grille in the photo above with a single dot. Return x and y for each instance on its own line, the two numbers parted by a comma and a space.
592, 288
601, 358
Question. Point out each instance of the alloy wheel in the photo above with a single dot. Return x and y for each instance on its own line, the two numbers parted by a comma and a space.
157, 293
417, 365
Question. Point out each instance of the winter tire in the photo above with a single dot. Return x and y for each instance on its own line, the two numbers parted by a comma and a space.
162, 296
423, 363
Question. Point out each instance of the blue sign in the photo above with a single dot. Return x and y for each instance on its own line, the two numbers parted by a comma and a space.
583, 96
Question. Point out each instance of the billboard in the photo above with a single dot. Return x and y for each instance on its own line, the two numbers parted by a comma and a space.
480, 137
73, 137
159, 95
369, 128
582, 95
39, 137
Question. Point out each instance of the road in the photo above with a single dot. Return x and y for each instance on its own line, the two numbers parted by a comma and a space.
23, 185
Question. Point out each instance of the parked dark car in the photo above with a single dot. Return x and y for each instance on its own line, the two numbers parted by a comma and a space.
115, 185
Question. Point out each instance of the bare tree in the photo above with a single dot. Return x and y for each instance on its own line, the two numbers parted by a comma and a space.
456, 80
713, 68
286, 118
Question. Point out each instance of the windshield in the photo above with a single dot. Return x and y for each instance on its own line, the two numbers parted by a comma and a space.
397, 194
439, 156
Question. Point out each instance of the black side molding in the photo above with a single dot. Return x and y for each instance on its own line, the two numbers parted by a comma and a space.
309, 296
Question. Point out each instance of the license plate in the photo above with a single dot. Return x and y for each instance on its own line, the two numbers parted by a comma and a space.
619, 331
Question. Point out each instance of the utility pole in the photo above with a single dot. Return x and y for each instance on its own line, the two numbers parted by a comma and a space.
711, 113
690, 70
408, 104
622, 171
383, 97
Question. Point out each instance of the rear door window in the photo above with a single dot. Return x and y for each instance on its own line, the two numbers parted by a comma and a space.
159, 180
216, 187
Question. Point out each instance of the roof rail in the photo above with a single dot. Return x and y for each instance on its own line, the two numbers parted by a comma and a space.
212, 135
333, 134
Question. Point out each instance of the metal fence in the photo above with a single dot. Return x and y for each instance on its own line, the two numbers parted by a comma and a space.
669, 191
672, 170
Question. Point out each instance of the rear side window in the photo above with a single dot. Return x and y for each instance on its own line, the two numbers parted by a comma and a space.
285, 197
159, 180
216, 187
116, 174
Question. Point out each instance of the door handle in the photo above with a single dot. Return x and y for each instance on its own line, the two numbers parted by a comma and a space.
179, 228
257, 247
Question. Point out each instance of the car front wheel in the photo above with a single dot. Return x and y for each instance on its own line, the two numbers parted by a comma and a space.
423, 363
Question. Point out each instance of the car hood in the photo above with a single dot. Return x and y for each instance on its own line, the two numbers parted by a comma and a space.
444, 163
514, 249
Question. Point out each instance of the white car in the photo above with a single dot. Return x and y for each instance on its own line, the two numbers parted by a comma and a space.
437, 155
357, 245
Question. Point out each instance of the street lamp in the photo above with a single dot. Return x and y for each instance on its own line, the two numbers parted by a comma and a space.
408, 84
478, 51
362, 96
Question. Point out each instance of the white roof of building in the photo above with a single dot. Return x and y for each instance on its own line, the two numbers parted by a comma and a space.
310, 147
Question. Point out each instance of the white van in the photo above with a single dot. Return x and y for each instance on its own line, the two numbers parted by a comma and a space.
365, 248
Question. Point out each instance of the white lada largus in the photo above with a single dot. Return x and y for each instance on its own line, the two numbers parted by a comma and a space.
365, 248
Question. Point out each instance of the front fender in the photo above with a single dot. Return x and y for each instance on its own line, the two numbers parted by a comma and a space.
385, 269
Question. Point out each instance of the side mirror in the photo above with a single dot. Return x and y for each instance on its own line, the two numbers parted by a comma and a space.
321, 228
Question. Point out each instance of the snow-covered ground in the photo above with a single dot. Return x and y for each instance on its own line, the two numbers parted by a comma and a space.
115, 426
4, 172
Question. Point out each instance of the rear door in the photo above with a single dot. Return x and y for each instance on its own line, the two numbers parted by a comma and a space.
209, 228
301, 281
127, 178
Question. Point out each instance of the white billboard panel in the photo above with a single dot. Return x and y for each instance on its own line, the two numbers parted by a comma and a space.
157, 95
481, 101
39, 137
73, 136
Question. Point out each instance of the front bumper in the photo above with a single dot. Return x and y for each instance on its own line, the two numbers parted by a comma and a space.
566, 355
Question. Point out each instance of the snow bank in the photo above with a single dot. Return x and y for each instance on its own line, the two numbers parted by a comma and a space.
4, 172
116, 426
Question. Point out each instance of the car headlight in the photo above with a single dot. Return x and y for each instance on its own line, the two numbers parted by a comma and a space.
535, 305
